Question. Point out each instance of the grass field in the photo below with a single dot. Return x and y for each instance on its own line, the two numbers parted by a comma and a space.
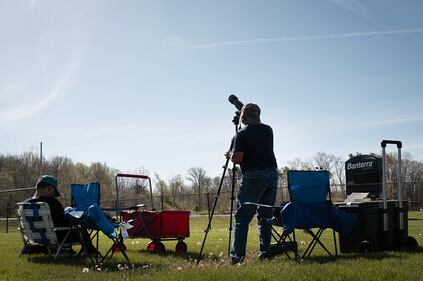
145, 266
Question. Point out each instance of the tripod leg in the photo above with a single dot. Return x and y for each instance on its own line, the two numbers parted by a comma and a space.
225, 167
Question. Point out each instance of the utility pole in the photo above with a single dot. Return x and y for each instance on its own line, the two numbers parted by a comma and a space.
41, 157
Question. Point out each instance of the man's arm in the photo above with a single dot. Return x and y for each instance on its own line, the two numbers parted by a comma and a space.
237, 157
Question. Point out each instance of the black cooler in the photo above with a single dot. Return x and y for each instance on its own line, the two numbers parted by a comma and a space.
368, 234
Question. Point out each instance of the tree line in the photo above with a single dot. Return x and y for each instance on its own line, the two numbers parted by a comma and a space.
193, 191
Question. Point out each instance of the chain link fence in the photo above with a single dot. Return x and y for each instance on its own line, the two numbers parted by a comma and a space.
198, 203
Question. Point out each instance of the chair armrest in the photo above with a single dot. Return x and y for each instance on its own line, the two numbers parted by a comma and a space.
60, 228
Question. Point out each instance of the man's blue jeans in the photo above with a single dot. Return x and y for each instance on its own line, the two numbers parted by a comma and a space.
257, 186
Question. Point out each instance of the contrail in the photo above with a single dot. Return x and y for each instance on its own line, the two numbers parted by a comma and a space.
302, 38
397, 121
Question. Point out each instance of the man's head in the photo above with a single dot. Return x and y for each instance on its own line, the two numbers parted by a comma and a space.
250, 114
47, 186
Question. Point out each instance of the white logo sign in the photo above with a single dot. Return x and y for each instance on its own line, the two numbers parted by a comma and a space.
359, 165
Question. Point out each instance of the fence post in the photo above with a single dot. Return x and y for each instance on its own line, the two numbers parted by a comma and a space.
208, 204
7, 217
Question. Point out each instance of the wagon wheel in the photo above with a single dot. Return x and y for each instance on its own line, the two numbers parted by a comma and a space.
366, 246
119, 245
160, 248
181, 247
411, 242
156, 247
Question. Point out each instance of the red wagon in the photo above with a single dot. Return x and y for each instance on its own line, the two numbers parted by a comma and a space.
158, 226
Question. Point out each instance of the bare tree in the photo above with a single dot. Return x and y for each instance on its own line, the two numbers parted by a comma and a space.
323, 161
176, 186
161, 188
298, 164
197, 176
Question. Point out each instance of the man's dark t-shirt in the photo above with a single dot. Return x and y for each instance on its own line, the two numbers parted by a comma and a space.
256, 141
56, 209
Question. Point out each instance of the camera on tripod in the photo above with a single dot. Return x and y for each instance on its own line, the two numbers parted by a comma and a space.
235, 101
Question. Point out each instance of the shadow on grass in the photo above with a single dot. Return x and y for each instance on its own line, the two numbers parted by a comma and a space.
369, 256
188, 256
111, 263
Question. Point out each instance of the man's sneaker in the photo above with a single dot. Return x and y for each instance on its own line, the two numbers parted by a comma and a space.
235, 261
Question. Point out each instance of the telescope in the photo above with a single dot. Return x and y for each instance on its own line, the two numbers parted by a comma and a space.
235, 101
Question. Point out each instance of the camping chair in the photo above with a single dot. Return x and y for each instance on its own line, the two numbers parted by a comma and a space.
310, 208
37, 229
86, 211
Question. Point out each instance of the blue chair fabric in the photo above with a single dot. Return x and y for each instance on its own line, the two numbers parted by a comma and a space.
311, 205
86, 210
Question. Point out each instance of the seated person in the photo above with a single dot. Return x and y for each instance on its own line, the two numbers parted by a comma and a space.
46, 191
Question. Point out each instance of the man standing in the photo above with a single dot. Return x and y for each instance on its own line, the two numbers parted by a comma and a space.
253, 150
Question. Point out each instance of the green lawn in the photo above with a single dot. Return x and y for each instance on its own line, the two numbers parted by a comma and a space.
145, 266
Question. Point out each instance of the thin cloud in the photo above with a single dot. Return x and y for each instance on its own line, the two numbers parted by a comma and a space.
60, 87
355, 7
415, 146
302, 38
397, 121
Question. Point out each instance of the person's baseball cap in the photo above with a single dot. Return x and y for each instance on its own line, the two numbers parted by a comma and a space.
251, 113
51, 181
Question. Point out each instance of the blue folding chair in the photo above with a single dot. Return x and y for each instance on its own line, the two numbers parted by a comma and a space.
86, 211
311, 208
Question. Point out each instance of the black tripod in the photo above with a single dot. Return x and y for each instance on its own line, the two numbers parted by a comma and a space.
225, 167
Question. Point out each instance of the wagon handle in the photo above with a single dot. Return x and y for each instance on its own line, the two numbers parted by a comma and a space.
132, 176
123, 175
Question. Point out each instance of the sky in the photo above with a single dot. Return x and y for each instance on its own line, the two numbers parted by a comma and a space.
145, 84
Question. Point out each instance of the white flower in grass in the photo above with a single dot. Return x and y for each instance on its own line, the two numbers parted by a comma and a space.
199, 244
211, 254
99, 269
137, 242
132, 243
302, 242
221, 254
85, 270
179, 268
